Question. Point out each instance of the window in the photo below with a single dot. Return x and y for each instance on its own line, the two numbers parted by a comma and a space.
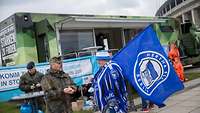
179, 1
164, 11
166, 28
168, 7
172, 4
72, 41
185, 28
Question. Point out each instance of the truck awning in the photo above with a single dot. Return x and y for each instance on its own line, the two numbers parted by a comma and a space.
84, 22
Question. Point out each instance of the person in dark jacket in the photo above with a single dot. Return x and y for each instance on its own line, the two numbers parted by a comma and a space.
30, 82
58, 88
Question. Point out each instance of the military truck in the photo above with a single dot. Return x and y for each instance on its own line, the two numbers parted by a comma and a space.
189, 45
37, 37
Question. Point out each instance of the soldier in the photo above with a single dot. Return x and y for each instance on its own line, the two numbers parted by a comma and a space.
58, 88
30, 82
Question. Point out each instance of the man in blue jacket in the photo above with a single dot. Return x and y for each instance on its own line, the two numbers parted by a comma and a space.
109, 85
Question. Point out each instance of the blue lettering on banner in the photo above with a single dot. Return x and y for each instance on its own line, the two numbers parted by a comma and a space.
4, 83
80, 69
9, 75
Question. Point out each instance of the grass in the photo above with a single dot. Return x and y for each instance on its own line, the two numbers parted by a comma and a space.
83, 111
11, 107
8, 107
192, 76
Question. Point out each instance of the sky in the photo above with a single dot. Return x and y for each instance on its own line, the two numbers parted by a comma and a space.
96, 7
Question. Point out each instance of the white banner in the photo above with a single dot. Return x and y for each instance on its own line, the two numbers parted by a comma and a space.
9, 77
78, 68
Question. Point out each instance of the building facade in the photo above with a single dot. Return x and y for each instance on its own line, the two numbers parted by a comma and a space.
184, 10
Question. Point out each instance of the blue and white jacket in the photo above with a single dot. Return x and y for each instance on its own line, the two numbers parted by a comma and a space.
110, 89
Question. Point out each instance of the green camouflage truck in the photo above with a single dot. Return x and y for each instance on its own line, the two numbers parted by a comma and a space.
37, 37
189, 45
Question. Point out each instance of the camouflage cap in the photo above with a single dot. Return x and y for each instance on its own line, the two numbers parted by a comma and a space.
55, 59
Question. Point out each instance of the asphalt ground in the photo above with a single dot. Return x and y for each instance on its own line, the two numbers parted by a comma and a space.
185, 101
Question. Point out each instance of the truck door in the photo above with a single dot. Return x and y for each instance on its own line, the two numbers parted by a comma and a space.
188, 40
42, 44
42, 48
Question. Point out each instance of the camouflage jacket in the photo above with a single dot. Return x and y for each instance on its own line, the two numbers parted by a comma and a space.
26, 80
53, 85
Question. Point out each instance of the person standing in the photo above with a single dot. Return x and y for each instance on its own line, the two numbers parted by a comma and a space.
179, 69
30, 82
174, 56
58, 88
146, 105
109, 85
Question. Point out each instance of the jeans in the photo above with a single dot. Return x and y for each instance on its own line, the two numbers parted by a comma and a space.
144, 103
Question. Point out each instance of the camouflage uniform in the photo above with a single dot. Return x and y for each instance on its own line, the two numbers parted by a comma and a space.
27, 80
53, 84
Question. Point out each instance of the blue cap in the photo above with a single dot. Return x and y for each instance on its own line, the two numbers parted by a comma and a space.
30, 65
103, 55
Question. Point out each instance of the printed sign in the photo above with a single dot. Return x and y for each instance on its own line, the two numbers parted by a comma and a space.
9, 78
79, 70
8, 40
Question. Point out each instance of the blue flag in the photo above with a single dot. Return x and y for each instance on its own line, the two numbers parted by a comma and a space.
146, 66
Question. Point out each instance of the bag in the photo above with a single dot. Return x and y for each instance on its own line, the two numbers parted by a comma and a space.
25, 108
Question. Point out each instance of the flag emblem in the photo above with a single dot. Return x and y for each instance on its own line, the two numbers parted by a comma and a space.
150, 70
145, 65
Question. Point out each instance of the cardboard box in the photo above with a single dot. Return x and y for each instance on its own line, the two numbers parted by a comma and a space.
78, 105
